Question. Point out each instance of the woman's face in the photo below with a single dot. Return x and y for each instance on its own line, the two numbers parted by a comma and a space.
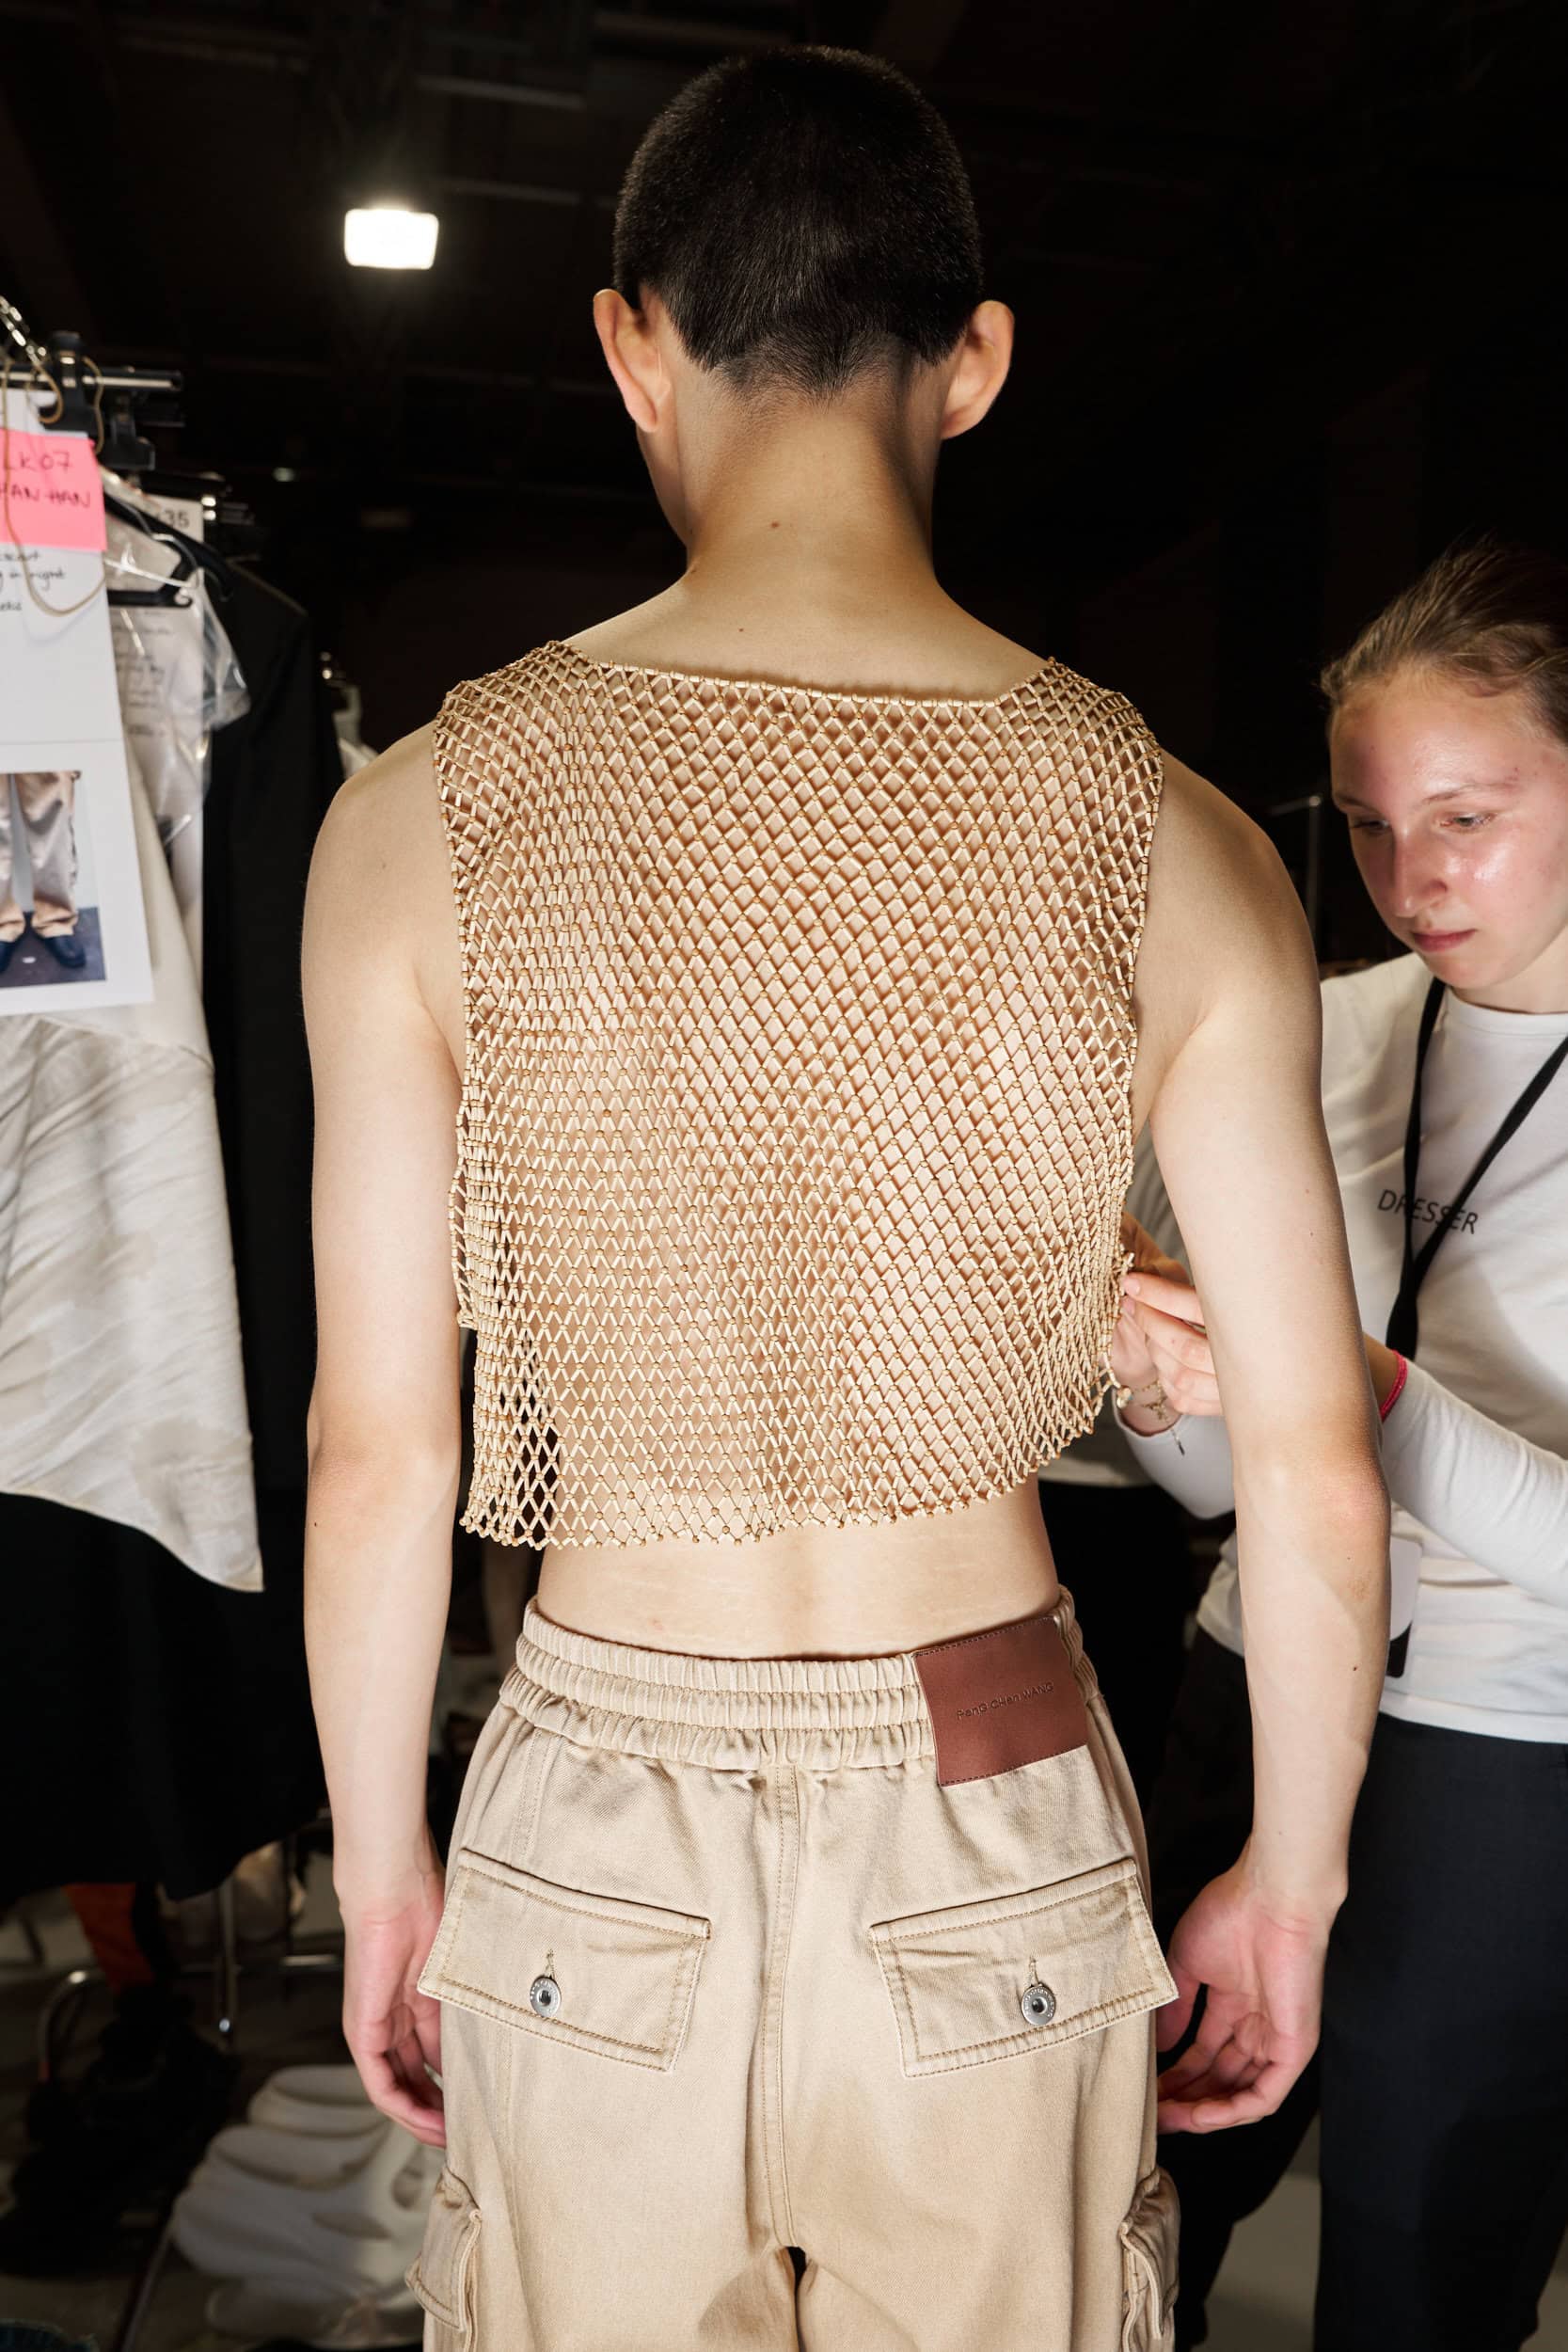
1458, 808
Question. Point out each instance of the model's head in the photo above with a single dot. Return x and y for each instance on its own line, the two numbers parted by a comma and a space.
797, 227
1448, 740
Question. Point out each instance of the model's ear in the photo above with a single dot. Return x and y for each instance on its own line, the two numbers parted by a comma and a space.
632, 355
984, 358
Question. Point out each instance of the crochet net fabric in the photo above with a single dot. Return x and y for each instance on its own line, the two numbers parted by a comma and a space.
796, 1117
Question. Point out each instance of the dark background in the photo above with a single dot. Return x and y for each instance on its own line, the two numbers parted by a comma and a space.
1289, 286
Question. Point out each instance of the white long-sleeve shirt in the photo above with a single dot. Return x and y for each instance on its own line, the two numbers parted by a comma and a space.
1474, 1449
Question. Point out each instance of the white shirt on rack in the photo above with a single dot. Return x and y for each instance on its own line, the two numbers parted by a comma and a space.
1474, 1449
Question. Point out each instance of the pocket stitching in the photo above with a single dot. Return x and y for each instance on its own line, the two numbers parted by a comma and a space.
603, 1907
673, 2036
1083, 2021
658, 2054
1030, 2038
894, 1930
1162, 2283
456, 2318
649, 2053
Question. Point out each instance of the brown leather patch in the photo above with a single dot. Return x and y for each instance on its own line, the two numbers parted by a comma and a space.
1002, 1699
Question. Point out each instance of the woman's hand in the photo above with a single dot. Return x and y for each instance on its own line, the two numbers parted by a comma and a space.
1160, 1336
393, 2029
1153, 1350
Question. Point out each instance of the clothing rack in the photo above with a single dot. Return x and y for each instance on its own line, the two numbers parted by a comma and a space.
104, 402
111, 407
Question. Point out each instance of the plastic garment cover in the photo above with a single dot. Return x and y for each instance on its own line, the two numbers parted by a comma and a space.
179, 679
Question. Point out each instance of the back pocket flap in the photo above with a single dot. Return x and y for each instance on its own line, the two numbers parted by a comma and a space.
440, 2276
1020, 1972
593, 1970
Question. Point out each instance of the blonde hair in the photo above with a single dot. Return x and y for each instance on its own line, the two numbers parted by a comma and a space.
1489, 615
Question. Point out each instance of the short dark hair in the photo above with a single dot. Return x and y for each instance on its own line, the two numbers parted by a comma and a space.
1492, 615
804, 215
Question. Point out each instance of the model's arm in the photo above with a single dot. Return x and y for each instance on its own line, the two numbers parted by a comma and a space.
1228, 1020
384, 1420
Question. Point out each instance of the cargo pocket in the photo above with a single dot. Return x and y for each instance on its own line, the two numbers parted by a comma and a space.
594, 1970
442, 2274
1018, 1973
1149, 2248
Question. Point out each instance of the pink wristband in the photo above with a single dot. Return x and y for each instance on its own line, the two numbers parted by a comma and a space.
1396, 1391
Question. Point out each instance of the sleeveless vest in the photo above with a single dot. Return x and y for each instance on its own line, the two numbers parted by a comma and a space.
795, 1118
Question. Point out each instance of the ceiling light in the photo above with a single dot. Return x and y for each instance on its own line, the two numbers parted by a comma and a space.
389, 236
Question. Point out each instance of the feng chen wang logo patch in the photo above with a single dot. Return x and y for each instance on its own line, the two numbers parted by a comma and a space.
1035, 1690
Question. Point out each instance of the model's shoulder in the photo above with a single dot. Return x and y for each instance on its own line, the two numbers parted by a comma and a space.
373, 801
1216, 846
1226, 947
384, 821
1069, 694
541, 676
1223, 915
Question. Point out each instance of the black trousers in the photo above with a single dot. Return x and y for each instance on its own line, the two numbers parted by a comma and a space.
1122, 1553
1443, 2073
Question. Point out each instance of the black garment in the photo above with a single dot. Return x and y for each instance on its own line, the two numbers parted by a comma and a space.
1444, 2055
160, 1727
155, 1725
1121, 1551
128, 2133
1444, 2065
274, 773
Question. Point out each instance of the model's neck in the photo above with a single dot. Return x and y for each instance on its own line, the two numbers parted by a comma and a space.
823, 515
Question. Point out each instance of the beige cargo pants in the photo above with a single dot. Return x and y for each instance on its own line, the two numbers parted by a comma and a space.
727, 1970
47, 799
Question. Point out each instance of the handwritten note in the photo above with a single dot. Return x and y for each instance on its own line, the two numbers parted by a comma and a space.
50, 492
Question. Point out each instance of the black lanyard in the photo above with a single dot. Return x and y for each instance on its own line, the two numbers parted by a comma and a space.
1402, 1320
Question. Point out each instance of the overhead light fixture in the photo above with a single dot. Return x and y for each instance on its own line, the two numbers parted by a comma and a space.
389, 236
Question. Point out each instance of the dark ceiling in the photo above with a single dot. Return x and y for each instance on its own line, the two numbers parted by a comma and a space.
1225, 229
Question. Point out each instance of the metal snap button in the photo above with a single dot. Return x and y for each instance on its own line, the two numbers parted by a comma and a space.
1039, 2004
543, 1997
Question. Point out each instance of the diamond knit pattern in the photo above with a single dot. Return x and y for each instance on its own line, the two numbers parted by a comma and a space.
795, 1118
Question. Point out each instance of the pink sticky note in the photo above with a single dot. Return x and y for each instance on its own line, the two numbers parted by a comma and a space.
51, 491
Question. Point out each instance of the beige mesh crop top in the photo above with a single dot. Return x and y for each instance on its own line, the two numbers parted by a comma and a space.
796, 1117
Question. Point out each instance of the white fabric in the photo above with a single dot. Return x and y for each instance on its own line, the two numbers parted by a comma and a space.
122, 1392
1474, 1449
312, 2209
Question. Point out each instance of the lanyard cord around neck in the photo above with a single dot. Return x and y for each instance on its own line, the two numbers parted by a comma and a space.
1403, 1322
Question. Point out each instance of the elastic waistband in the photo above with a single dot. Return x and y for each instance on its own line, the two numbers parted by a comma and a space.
732, 1714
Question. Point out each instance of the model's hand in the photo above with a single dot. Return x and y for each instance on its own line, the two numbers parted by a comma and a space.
1169, 1313
1263, 1968
393, 2029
